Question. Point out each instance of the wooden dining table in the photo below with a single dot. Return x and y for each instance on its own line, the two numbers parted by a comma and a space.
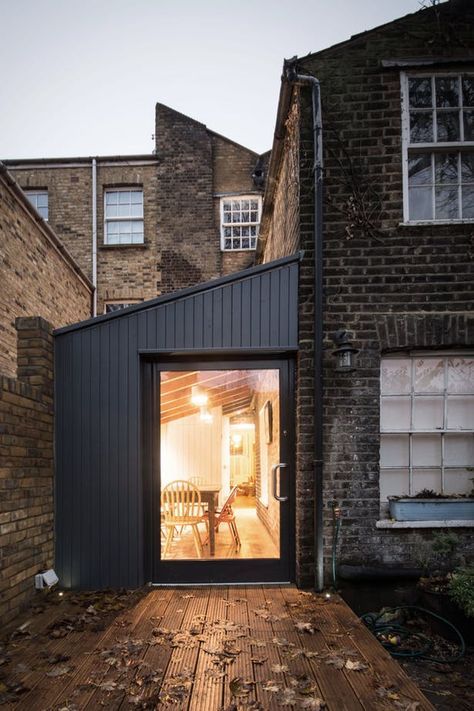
210, 496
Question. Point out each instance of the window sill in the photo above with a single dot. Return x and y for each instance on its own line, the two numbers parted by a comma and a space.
390, 523
426, 223
123, 246
233, 251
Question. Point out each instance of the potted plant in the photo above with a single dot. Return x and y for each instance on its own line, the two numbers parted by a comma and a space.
427, 505
447, 585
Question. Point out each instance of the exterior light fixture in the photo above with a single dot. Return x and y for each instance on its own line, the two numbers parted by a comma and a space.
345, 352
198, 396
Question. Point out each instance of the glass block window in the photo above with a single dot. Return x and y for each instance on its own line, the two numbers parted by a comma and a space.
438, 133
426, 424
240, 220
39, 200
123, 216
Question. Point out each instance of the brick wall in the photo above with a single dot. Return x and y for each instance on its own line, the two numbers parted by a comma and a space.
124, 273
36, 276
26, 467
392, 285
233, 166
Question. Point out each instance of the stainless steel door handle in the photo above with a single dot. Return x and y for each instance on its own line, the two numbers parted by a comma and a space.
275, 468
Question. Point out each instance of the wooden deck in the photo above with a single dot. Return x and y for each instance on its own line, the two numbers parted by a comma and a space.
205, 649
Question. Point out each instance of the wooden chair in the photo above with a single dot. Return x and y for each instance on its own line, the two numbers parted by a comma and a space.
226, 515
181, 504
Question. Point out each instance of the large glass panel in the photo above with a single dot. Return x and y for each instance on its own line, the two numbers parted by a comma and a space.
428, 413
220, 437
429, 375
396, 376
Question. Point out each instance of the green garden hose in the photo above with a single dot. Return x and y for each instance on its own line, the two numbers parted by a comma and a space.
385, 631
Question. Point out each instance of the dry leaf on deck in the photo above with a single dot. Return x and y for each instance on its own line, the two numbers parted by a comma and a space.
60, 670
279, 668
355, 666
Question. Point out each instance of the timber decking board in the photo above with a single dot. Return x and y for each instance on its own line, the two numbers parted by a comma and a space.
338, 695
177, 633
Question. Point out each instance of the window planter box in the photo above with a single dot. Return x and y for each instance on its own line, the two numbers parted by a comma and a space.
432, 509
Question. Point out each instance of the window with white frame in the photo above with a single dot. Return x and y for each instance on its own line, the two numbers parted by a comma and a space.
438, 147
111, 306
240, 220
123, 216
426, 424
39, 200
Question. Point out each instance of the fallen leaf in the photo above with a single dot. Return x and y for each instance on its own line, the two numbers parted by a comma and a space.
355, 666
271, 686
60, 670
304, 627
279, 668
313, 702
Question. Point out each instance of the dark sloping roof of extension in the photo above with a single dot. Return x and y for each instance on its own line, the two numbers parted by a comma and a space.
451, 8
47, 231
181, 294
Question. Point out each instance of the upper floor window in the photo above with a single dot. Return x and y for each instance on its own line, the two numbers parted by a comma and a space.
39, 200
240, 220
426, 424
111, 306
438, 147
123, 216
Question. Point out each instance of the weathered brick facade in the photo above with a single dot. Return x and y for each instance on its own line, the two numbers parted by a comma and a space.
392, 285
37, 276
182, 181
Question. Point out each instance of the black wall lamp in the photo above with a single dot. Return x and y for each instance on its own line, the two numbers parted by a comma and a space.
344, 352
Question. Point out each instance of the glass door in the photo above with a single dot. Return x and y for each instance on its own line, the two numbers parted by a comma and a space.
222, 474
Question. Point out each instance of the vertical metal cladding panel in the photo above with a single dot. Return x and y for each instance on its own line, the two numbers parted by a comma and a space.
99, 489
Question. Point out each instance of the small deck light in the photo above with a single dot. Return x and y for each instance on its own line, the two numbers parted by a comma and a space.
345, 351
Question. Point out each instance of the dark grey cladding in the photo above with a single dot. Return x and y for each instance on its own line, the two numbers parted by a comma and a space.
99, 491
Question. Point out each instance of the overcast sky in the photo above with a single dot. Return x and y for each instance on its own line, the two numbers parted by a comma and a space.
82, 78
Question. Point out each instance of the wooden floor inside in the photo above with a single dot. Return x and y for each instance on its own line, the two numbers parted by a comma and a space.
256, 541
205, 649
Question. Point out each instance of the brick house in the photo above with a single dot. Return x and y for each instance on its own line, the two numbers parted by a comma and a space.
383, 175
143, 225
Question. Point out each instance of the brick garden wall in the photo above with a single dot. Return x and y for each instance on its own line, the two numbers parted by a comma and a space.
26, 467
392, 285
